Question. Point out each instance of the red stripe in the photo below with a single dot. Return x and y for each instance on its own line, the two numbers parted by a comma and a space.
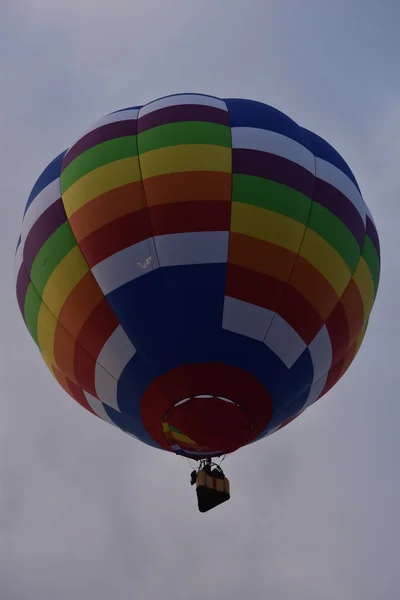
253, 287
272, 294
338, 330
354, 308
333, 376
115, 236
182, 217
348, 359
93, 336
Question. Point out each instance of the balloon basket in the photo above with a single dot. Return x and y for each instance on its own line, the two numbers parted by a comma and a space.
211, 491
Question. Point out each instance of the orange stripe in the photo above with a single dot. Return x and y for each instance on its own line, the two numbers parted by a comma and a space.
257, 255
80, 304
74, 361
75, 313
106, 208
354, 308
188, 187
277, 262
313, 286
61, 379
64, 351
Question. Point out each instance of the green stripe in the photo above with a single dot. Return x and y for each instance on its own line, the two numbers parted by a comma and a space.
50, 255
371, 257
98, 156
271, 195
335, 232
31, 311
175, 430
189, 132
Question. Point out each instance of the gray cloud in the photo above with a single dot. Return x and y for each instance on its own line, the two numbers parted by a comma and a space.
88, 512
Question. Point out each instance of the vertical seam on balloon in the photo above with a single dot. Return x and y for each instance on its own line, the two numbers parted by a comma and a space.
230, 214
287, 283
173, 324
333, 364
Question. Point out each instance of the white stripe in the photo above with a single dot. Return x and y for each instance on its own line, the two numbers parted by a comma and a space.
245, 318
321, 354
339, 180
97, 406
182, 99
251, 138
204, 247
122, 115
112, 360
116, 353
126, 265
48, 196
284, 341
315, 392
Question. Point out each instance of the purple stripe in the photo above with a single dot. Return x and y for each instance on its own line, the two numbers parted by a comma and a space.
373, 235
337, 203
185, 112
43, 228
98, 136
273, 167
23, 282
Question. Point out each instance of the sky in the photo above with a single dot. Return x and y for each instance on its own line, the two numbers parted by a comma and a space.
88, 512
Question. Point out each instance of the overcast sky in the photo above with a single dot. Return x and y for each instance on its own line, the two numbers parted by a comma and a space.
88, 512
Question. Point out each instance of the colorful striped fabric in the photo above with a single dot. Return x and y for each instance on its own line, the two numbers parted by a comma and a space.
197, 247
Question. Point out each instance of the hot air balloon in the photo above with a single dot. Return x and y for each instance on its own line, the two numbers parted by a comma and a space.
197, 272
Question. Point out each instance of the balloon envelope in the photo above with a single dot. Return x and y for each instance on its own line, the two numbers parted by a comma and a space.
197, 271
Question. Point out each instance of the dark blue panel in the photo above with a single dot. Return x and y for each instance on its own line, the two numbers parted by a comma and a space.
196, 298
51, 172
131, 425
249, 113
198, 337
142, 309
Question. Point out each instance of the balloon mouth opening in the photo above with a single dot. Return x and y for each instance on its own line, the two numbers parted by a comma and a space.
206, 425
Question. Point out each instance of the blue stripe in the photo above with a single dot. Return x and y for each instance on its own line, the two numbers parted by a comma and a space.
18, 244
249, 113
50, 174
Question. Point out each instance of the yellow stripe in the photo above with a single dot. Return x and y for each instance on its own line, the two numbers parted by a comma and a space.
64, 278
360, 339
46, 328
365, 284
49, 365
266, 225
190, 157
101, 180
183, 438
326, 260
